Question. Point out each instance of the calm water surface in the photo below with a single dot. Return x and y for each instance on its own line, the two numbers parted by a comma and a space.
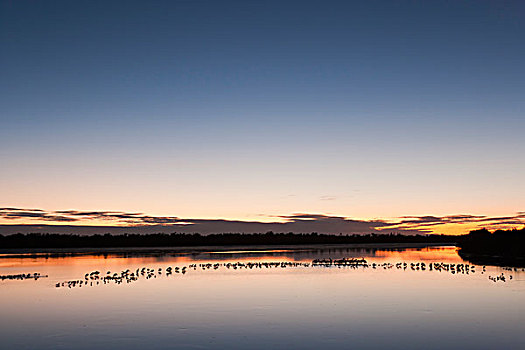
262, 308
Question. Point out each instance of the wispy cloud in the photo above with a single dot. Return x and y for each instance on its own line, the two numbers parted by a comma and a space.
76, 216
297, 222
418, 222
328, 198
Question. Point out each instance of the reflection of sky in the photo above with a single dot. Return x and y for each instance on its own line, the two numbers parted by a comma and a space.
139, 257
369, 109
277, 308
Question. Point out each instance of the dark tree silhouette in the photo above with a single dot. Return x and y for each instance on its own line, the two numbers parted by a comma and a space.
502, 247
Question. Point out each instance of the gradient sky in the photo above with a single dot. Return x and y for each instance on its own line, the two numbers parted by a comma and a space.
249, 110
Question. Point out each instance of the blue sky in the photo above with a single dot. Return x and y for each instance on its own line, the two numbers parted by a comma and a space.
243, 110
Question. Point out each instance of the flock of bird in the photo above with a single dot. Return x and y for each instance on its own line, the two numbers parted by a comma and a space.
433, 266
128, 276
501, 277
22, 276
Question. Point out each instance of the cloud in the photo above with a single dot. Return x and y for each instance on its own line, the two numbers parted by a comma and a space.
18, 209
16, 213
297, 222
58, 218
301, 216
328, 198
420, 222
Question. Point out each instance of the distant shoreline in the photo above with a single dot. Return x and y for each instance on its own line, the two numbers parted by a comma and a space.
152, 251
479, 246
37, 241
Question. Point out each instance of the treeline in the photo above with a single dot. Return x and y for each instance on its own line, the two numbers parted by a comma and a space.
43, 240
485, 246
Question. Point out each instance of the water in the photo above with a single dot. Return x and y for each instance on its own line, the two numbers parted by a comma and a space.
262, 308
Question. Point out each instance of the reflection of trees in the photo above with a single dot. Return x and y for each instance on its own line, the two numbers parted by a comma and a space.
39, 240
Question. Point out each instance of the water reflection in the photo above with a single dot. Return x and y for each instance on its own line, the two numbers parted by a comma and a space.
128, 276
297, 306
22, 276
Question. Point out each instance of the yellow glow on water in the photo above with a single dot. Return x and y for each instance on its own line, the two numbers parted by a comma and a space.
446, 254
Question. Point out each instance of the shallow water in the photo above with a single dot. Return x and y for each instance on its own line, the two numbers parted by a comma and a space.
262, 308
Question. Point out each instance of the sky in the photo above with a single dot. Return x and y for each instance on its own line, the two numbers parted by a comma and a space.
263, 111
